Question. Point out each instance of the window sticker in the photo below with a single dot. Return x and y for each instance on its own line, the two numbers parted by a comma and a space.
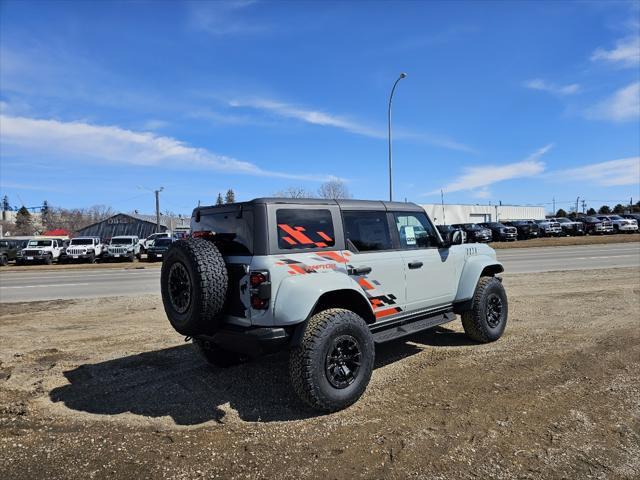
410, 235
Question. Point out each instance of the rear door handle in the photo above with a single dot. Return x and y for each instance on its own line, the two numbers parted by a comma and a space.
413, 265
359, 270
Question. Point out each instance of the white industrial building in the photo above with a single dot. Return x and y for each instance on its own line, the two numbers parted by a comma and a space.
452, 214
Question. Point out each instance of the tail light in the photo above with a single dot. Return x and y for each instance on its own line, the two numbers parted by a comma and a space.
202, 234
260, 289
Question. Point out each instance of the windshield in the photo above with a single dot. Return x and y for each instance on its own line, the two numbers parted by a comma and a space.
473, 226
562, 220
615, 217
162, 242
39, 243
82, 241
121, 241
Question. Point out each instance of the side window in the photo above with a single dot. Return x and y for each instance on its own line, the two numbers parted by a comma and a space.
304, 228
415, 231
367, 231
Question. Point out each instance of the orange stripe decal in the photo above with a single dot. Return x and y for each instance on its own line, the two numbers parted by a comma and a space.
297, 235
336, 257
364, 284
386, 312
289, 240
325, 236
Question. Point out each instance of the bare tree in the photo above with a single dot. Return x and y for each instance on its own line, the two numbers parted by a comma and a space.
294, 192
333, 189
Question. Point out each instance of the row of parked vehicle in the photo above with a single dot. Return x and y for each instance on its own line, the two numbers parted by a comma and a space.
83, 249
550, 227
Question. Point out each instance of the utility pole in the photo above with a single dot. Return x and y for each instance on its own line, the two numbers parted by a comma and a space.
157, 192
577, 201
584, 206
554, 205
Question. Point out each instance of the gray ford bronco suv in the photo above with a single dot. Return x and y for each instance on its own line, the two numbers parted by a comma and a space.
326, 280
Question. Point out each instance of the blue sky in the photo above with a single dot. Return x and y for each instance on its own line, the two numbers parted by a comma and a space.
518, 102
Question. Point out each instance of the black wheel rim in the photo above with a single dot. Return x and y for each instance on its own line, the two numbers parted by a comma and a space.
343, 361
494, 310
179, 287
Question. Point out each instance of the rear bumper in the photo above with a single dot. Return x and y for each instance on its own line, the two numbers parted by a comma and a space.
252, 341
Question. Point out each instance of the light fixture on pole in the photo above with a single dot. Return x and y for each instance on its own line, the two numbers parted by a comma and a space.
402, 75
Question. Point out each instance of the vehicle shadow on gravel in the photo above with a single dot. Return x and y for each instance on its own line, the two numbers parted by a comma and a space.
176, 382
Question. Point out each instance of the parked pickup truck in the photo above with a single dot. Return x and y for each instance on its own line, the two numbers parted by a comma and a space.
82, 249
42, 250
526, 228
593, 225
569, 227
620, 225
159, 249
549, 228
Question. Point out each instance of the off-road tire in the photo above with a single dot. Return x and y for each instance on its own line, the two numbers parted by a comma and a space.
4, 261
218, 356
476, 321
307, 362
208, 279
48, 260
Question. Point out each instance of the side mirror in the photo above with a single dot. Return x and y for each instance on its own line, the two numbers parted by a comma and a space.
455, 238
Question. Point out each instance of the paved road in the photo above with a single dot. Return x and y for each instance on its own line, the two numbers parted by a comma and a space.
67, 284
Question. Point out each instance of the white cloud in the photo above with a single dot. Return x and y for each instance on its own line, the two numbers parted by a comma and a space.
622, 106
626, 53
317, 117
481, 177
625, 171
224, 17
544, 86
82, 141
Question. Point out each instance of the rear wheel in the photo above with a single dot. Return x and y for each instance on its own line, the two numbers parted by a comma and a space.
48, 259
487, 318
332, 367
194, 283
4, 260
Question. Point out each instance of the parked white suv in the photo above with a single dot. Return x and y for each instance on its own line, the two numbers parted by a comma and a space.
620, 224
126, 247
41, 250
325, 279
82, 249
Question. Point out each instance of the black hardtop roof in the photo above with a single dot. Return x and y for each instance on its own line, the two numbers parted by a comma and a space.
344, 204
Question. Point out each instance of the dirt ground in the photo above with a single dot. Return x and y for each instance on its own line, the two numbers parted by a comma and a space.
105, 389
566, 241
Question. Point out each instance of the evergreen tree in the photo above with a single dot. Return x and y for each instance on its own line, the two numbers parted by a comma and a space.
230, 197
618, 209
24, 222
604, 210
5, 203
219, 199
561, 213
591, 211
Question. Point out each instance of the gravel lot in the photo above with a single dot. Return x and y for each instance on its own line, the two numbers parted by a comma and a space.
105, 389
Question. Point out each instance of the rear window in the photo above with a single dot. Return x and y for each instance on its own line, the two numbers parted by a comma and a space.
304, 228
233, 227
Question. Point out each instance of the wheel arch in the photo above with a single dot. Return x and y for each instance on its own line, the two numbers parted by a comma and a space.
475, 268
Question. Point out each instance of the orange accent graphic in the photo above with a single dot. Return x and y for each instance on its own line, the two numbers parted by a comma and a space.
386, 312
289, 240
321, 244
376, 302
325, 236
297, 269
297, 235
336, 257
364, 284
301, 229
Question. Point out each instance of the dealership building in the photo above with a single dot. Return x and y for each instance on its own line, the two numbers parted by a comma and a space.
451, 213
133, 224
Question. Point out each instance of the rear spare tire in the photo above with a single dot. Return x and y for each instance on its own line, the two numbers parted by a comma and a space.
193, 282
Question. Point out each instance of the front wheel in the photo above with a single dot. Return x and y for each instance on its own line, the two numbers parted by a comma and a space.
4, 261
332, 367
486, 320
48, 260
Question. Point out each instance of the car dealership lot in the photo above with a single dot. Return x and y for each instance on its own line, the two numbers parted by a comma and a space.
105, 388
19, 286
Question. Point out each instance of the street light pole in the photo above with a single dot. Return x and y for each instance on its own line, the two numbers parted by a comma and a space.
402, 75
157, 192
